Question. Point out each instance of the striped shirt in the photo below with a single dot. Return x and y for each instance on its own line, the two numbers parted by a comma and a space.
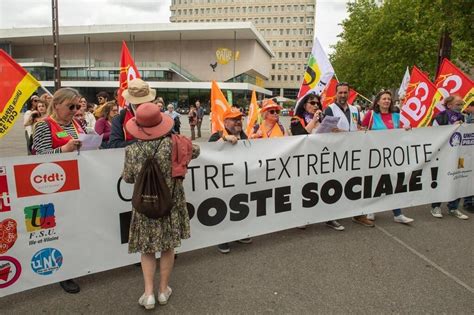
42, 138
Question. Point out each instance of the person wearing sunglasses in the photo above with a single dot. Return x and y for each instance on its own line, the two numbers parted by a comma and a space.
59, 133
307, 118
270, 127
307, 115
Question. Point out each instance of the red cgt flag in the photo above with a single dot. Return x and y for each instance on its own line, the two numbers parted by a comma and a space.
128, 72
451, 80
329, 94
419, 95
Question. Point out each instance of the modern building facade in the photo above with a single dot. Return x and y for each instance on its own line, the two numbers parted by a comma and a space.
180, 61
287, 26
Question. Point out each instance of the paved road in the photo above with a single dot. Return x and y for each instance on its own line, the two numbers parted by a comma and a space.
426, 267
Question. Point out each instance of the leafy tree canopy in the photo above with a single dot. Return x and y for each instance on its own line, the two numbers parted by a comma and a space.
378, 42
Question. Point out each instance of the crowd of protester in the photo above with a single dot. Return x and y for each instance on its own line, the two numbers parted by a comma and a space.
53, 125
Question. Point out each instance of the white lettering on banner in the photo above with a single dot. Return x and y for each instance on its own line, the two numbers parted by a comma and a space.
453, 90
234, 191
414, 107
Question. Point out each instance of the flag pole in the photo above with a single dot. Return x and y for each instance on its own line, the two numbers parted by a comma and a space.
46, 90
358, 94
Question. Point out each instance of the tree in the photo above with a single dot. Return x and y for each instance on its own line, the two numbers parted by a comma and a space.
379, 42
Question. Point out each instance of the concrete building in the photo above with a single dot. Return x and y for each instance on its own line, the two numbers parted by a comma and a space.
179, 60
287, 26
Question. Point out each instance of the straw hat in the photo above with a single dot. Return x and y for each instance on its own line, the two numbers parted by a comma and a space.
149, 123
138, 92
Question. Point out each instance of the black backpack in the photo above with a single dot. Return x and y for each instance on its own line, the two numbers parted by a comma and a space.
151, 196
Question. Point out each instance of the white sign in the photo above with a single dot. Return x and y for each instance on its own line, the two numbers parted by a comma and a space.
64, 217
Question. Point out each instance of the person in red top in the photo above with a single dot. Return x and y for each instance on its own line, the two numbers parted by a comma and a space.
59, 133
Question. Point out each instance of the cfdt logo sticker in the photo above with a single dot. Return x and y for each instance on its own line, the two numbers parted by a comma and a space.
8, 235
40, 221
4, 194
46, 178
10, 270
46, 261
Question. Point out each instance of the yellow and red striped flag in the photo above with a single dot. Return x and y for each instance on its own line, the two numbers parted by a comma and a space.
219, 105
16, 87
253, 113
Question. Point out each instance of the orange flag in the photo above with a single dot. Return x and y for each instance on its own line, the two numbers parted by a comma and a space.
218, 107
416, 105
16, 87
253, 113
128, 72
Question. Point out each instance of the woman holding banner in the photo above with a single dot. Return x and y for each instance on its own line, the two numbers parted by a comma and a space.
452, 115
59, 133
307, 118
384, 116
147, 235
270, 126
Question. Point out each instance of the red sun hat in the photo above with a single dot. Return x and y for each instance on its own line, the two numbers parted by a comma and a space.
149, 123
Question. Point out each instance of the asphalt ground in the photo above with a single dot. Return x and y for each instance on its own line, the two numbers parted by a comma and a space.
425, 267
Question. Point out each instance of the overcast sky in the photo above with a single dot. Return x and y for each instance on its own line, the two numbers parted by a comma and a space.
30, 13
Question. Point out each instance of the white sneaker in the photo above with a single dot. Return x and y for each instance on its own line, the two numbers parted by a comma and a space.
436, 212
147, 301
371, 216
164, 297
458, 214
402, 219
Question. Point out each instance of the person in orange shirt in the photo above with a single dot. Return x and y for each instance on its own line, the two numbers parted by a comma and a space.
270, 126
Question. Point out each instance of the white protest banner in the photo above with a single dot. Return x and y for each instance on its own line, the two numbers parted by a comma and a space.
61, 215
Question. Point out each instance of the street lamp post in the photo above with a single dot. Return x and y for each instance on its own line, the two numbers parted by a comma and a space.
57, 64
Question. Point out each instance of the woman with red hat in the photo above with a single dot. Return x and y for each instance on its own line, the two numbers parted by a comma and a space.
270, 126
149, 236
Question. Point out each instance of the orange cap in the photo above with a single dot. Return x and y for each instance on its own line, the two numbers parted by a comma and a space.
232, 113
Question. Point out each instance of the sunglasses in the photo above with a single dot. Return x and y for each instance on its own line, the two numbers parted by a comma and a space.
314, 103
72, 106
35, 100
273, 112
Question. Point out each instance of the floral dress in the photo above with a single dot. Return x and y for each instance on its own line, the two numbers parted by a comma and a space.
156, 235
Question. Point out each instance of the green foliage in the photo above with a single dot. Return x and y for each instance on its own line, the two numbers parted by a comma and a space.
379, 42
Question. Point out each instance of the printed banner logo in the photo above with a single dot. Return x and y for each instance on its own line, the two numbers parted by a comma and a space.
455, 139
4, 194
46, 178
8, 235
46, 261
10, 270
40, 221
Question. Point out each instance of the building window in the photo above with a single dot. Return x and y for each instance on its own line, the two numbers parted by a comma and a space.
273, 66
279, 77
